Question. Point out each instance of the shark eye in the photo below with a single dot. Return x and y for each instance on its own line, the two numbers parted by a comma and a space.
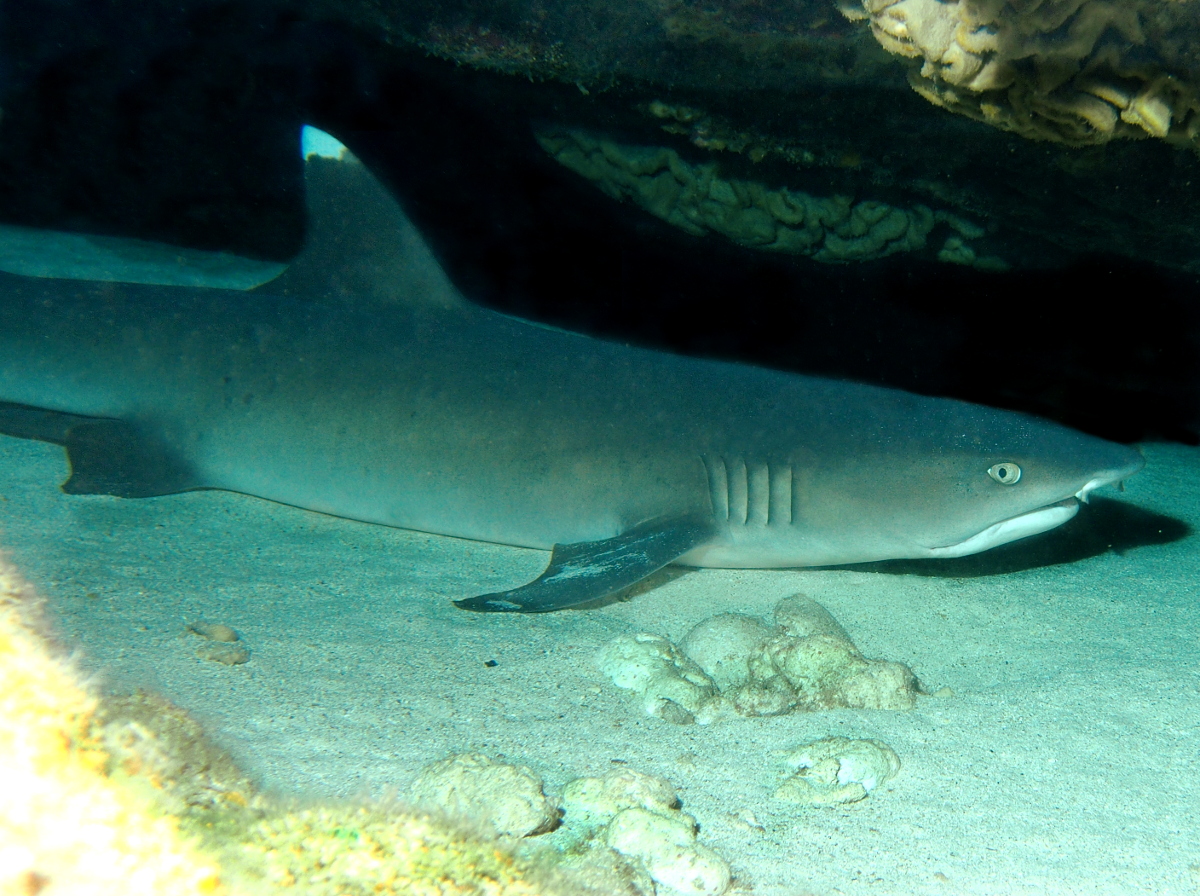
1005, 473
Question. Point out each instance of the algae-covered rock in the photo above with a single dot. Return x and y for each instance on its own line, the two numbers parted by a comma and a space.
800, 616
606, 872
478, 788
771, 697
638, 816
723, 644
836, 770
815, 667
879, 684
671, 685
665, 844
821, 663
588, 803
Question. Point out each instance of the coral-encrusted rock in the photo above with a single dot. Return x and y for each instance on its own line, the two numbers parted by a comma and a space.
592, 802
733, 664
722, 646
635, 819
671, 685
665, 844
836, 770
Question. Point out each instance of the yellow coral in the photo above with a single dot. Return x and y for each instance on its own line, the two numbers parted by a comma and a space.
129, 798
64, 826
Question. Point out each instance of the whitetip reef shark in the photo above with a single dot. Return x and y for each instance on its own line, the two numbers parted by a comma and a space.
360, 383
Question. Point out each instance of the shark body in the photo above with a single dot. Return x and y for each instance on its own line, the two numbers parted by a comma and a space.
361, 384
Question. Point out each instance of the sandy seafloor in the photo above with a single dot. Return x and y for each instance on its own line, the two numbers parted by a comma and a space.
1066, 761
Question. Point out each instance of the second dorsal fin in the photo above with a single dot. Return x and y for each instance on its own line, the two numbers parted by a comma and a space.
359, 242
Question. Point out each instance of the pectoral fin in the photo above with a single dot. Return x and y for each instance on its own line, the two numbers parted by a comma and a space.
107, 456
589, 570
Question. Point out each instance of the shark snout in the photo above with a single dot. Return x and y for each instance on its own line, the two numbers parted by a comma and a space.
1116, 476
1048, 516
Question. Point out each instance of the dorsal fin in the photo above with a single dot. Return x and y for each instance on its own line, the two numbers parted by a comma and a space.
359, 242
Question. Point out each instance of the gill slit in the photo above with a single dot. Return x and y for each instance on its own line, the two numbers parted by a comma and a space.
749, 493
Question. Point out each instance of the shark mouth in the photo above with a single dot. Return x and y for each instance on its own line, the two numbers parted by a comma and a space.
1033, 523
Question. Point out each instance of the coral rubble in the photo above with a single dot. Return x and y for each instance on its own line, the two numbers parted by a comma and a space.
836, 770
474, 786
623, 832
638, 816
732, 664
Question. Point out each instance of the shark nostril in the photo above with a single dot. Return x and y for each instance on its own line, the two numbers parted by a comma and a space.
1005, 473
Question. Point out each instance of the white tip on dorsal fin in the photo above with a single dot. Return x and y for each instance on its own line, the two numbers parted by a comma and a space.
358, 243
315, 142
